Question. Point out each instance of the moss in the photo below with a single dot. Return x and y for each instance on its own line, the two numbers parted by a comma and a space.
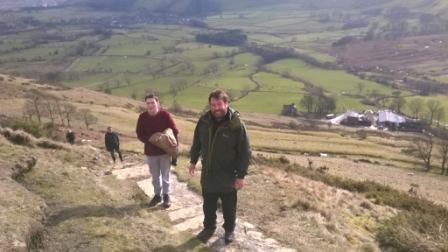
364, 221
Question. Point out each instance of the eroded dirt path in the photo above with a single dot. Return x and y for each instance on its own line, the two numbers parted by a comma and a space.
186, 214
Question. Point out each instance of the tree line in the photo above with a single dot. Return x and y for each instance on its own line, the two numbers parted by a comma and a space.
226, 38
427, 145
41, 105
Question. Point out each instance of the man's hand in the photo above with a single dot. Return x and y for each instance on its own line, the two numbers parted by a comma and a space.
239, 184
192, 169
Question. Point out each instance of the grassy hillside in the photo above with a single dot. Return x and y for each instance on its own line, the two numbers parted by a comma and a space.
59, 198
337, 208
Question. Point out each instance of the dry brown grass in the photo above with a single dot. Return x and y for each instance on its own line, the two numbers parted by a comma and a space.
66, 200
431, 186
309, 215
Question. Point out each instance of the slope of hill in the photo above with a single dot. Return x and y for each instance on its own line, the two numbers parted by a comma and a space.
58, 197
274, 183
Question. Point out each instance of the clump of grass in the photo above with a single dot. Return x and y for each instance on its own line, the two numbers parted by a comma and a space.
283, 160
182, 174
49, 144
366, 205
416, 231
362, 135
363, 160
17, 137
140, 197
28, 126
21, 137
35, 238
307, 205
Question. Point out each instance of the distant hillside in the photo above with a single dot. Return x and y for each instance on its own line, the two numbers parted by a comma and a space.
13, 4
210, 7
438, 7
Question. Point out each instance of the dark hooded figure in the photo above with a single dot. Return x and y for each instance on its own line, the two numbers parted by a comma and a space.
112, 143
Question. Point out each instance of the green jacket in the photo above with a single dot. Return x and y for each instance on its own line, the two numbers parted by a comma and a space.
224, 155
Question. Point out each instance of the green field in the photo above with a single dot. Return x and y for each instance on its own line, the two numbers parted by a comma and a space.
333, 81
156, 57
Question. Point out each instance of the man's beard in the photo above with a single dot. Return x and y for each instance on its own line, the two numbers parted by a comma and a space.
219, 114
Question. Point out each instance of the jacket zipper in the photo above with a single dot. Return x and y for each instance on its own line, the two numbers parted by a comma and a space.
210, 149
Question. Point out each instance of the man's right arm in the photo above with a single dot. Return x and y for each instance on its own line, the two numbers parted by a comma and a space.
195, 149
141, 135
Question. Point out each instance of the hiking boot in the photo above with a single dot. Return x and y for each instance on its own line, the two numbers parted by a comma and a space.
166, 201
156, 200
229, 237
205, 235
174, 161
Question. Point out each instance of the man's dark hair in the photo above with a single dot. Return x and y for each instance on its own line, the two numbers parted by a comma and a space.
152, 96
218, 94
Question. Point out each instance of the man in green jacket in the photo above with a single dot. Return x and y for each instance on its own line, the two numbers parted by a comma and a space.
220, 139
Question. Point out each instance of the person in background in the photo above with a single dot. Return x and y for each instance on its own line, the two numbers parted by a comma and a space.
112, 143
70, 136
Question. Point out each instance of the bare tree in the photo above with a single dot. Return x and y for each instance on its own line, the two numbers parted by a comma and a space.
50, 107
424, 147
433, 106
134, 94
87, 117
415, 105
28, 110
178, 86
127, 81
308, 102
213, 68
35, 106
60, 113
361, 86
190, 67
439, 115
398, 103
68, 112
443, 151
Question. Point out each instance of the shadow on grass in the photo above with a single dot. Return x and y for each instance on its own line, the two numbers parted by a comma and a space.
92, 211
192, 244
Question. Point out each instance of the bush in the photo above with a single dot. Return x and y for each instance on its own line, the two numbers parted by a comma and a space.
362, 135
28, 126
415, 231
51, 131
283, 160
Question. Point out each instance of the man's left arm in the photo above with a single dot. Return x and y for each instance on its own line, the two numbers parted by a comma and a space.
244, 153
172, 125
118, 139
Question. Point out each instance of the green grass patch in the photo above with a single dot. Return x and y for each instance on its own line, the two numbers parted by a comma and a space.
333, 81
266, 102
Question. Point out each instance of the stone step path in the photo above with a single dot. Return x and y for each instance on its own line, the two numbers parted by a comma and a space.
186, 214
